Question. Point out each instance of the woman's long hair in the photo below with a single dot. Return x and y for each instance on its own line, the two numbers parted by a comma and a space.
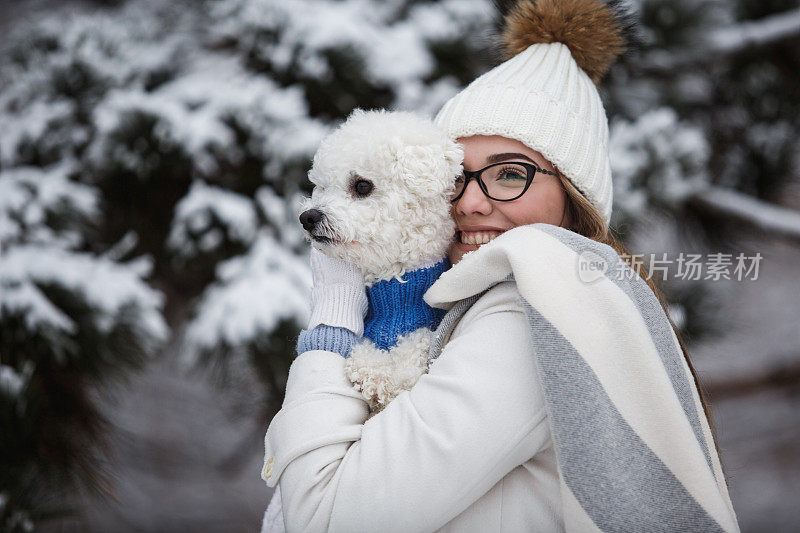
583, 218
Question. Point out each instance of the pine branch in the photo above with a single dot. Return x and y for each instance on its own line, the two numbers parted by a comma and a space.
736, 206
746, 35
725, 42
761, 371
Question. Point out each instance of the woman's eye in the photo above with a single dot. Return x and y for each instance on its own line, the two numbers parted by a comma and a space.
512, 175
362, 188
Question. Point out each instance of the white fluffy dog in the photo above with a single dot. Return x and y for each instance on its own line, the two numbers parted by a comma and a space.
383, 182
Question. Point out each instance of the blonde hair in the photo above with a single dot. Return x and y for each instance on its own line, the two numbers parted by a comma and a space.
583, 218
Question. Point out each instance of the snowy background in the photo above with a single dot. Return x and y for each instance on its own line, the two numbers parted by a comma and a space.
153, 277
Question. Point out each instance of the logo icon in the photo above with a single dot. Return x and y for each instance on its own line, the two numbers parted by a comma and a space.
591, 266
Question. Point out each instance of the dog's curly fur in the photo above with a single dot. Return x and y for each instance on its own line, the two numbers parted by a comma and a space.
596, 32
402, 225
405, 222
380, 376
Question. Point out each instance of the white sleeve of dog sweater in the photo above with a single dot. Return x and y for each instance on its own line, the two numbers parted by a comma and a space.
478, 414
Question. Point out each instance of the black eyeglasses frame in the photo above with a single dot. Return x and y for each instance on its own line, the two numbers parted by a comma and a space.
530, 168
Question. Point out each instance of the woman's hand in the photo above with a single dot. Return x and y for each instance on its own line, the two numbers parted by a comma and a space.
338, 297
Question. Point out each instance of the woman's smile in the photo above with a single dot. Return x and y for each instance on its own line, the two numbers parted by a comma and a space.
471, 238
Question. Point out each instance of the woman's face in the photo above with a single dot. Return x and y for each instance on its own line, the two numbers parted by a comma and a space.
480, 219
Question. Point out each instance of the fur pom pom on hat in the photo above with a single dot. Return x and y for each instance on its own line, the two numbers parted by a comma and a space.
545, 95
595, 32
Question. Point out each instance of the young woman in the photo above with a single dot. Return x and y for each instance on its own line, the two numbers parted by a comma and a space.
556, 401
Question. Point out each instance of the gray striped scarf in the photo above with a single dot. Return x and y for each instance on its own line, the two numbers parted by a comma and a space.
634, 449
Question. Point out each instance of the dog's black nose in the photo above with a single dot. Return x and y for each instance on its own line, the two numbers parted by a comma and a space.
310, 218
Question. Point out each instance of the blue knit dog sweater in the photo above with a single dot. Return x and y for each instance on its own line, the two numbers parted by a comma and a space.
395, 308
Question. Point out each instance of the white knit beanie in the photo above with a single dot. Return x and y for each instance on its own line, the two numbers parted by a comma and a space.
545, 95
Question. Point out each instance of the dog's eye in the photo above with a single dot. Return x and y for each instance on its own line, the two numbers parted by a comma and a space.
362, 188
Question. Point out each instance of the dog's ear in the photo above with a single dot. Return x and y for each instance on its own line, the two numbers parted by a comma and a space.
454, 155
430, 169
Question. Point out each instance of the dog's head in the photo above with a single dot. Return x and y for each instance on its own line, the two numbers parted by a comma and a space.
383, 182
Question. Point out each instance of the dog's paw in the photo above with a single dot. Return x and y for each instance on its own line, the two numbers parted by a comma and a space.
382, 375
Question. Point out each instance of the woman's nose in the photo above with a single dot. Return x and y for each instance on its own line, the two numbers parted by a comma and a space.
473, 201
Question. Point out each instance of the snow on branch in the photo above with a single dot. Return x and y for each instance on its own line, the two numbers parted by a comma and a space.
745, 35
726, 203
724, 42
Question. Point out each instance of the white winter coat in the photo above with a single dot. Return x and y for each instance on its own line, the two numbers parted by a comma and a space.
467, 449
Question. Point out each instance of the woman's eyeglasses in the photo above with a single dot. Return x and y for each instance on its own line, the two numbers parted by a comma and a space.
502, 182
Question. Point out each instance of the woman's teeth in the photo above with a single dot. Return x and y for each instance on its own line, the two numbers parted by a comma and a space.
477, 237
